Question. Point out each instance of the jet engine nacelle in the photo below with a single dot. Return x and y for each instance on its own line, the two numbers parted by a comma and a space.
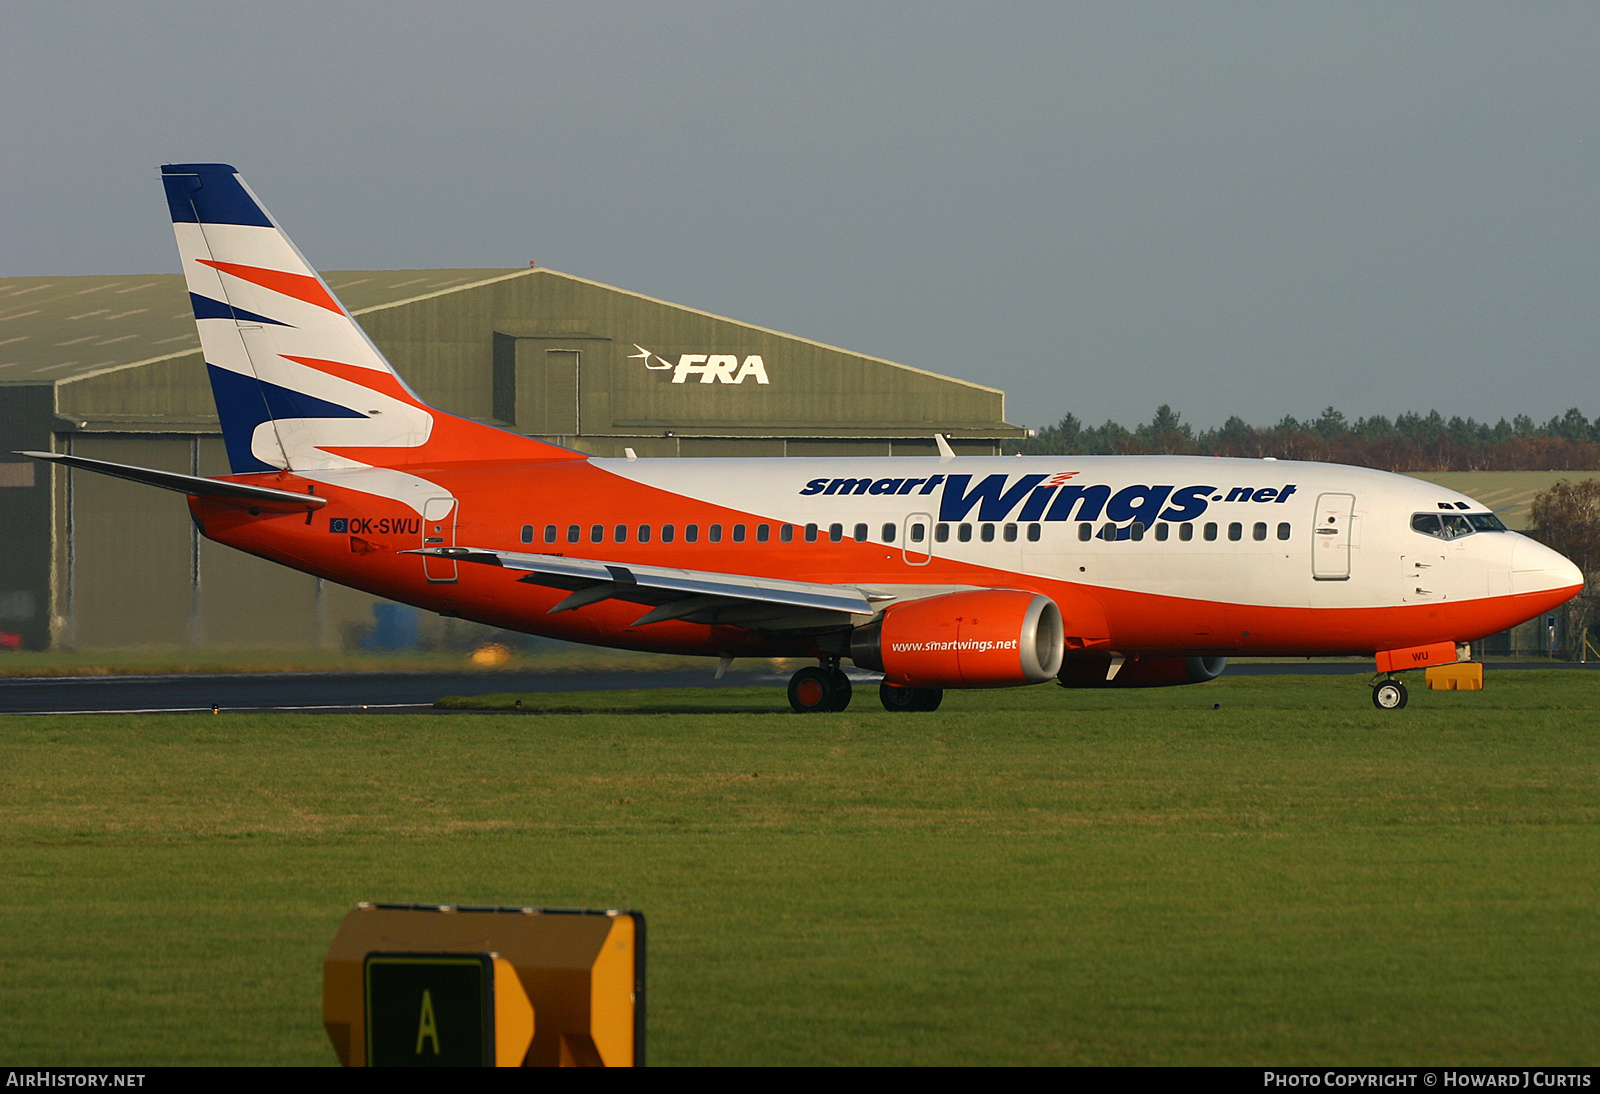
1139, 672
988, 638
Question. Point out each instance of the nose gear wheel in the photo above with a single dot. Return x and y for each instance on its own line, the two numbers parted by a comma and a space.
1389, 695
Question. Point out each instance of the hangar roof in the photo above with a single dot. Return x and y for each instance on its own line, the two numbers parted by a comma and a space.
533, 350
56, 328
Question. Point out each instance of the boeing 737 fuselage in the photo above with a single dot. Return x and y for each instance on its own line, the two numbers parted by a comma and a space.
940, 572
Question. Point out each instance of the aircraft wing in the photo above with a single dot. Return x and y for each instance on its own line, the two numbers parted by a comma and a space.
697, 596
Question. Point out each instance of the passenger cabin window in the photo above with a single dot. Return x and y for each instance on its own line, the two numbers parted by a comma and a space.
714, 533
986, 533
527, 533
572, 533
763, 533
918, 532
691, 533
1235, 531
597, 533
835, 533
888, 533
1108, 532
1210, 532
1259, 532
1033, 533
941, 533
811, 533
644, 533
861, 533
1085, 532
1011, 533
1162, 532
619, 534
964, 533
1136, 532
1283, 531
549, 533
1186, 532
738, 533
786, 532
668, 533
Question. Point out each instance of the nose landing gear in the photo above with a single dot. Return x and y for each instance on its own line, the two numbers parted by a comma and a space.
1389, 694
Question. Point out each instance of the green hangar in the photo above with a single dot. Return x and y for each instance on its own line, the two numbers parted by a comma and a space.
109, 367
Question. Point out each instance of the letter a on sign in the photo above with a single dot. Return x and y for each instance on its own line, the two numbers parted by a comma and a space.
427, 1026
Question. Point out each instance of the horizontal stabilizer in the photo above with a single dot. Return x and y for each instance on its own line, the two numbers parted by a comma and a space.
233, 493
697, 595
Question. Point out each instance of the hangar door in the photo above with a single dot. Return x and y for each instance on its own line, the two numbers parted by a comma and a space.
539, 383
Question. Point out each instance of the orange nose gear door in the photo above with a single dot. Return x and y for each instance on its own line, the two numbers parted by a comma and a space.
439, 530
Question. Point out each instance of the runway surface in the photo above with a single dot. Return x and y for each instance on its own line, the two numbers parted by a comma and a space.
318, 690
396, 691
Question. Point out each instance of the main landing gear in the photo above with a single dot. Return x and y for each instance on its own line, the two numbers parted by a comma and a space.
818, 688
1389, 694
825, 687
896, 698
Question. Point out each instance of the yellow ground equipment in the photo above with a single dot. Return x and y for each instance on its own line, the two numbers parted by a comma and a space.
437, 986
1463, 676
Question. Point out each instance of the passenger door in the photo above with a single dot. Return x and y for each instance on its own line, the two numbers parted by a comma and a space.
1330, 538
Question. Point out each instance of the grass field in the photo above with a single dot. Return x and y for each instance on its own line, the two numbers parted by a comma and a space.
1031, 876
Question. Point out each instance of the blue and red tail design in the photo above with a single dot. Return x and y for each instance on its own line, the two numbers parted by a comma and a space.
298, 384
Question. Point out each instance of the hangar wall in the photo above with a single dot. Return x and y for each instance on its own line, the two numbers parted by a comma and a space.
26, 512
110, 368
599, 369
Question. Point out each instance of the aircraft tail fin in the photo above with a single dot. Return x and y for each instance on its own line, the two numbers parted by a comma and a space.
298, 384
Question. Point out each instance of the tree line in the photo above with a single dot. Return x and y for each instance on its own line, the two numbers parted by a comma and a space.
1567, 518
1410, 442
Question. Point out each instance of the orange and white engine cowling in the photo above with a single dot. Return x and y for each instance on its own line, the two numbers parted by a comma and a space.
987, 638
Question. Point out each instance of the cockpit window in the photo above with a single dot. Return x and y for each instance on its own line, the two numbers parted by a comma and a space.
1455, 525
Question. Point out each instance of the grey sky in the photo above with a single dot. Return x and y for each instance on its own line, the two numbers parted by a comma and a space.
1254, 209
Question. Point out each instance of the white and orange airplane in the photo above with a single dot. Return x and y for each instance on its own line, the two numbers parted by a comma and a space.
940, 572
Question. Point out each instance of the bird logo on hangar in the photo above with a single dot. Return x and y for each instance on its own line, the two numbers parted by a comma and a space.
712, 368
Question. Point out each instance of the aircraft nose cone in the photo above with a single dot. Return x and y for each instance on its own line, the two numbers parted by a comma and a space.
1535, 568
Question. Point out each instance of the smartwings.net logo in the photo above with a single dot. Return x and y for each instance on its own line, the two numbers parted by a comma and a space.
978, 645
1051, 497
